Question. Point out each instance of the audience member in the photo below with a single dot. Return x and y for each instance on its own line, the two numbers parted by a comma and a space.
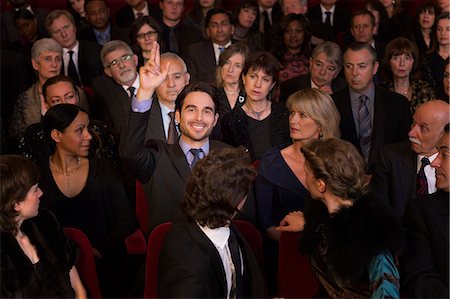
382, 31
143, 32
81, 60
76, 8
424, 262
27, 26
37, 260
259, 123
443, 5
217, 261
424, 29
177, 34
334, 16
196, 17
161, 121
370, 116
351, 240
402, 170
100, 29
246, 28
294, 6
134, 10
294, 47
86, 193
446, 83
269, 17
400, 65
399, 21
164, 168
203, 57
325, 64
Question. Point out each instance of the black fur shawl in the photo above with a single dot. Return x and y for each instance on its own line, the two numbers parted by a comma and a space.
350, 238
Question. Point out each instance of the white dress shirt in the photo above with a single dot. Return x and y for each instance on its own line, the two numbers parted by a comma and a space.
66, 58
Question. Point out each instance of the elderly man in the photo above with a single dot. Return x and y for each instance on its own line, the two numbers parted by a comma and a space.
403, 170
325, 64
424, 262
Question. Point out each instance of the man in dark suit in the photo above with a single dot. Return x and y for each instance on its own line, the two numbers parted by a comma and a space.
424, 262
396, 171
203, 57
370, 116
269, 17
164, 168
335, 17
325, 64
177, 34
160, 118
216, 262
100, 30
113, 90
135, 9
85, 56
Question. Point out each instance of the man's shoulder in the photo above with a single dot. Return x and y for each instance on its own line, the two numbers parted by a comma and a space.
398, 150
218, 144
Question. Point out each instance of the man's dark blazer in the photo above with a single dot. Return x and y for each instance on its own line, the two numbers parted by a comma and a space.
87, 34
424, 262
155, 126
300, 82
391, 123
341, 18
198, 272
201, 62
110, 103
186, 35
125, 16
271, 38
89, 63
394, 176
161, 167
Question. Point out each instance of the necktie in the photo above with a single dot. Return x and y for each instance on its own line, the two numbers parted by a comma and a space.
139, 14
72, 70
173, 42
196, 152
328, 18
264, 22
236, 269
221, 49
131, 90
422, 185
172, 134
365, 127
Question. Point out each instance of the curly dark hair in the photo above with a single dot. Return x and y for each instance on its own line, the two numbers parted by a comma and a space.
218, 183
18, 176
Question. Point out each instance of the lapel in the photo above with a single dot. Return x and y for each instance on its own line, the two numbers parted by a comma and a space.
178, 160
439, 211
379, 121
209, 51
407, 172
347, 121
155, 127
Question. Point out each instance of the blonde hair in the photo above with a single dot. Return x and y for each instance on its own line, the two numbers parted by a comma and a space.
320, 107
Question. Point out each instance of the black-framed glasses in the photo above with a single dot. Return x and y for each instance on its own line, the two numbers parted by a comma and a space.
146, 34
122, 59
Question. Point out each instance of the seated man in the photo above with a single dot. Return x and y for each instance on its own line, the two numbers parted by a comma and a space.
216, 261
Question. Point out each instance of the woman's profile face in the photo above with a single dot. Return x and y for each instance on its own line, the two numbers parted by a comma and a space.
302, 127
146, 35
401, 65
426, 19
247, 17
29, 207
77, 5
257, 84
294, 35
75, 139
232, 69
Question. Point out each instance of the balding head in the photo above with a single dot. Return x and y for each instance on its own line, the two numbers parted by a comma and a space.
428, 124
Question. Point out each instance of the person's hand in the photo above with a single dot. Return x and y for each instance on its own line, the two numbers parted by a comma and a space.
327, 89
151, 74
293, 222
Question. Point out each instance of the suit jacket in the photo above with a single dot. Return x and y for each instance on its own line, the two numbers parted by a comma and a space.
89, 64
125, 15
425, 258
341, 19
111, 103
300, 82
199, 272
391, 123
201, 62
155, 126
87, 34
186, 35
271, 38
161, 167
394, 176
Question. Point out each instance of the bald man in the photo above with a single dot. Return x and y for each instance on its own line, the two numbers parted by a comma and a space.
403, 170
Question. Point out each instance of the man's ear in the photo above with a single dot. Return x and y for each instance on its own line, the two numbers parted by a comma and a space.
177, 116
35, 64
375, 67
107, 71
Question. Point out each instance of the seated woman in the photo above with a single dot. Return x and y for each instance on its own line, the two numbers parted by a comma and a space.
246, 29
351, 239
37, 260
76, 8
294, 46
259, 124
399, 69
143, 32
424, 28
86, 193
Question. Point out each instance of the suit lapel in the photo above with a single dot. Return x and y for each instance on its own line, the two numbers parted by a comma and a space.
407, 173
348, 128
178, 160
155, 127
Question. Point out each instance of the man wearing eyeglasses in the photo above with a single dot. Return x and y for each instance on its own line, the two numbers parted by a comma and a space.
203, 57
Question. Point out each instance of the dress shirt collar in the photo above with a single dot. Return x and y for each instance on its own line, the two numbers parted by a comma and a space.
419, 159
103, 35
370, 93
75, 49
144, 11
323, 9
217, 51
135, 85
218, 236
186, 149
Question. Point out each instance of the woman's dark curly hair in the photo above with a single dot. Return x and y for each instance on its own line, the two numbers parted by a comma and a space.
339, 164
18, 175
218, 183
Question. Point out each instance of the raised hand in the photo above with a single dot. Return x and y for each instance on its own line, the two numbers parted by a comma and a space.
151, 75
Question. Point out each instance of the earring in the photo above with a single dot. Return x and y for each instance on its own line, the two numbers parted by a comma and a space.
320, 135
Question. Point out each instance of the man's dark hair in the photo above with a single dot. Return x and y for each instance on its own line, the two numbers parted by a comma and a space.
364, 12
200, 87
218, 183
216, 11
358, 46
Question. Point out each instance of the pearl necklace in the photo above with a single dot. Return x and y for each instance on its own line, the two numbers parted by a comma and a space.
66, 174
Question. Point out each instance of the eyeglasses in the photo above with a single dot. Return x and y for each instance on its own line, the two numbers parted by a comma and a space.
146, 34
122, 59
